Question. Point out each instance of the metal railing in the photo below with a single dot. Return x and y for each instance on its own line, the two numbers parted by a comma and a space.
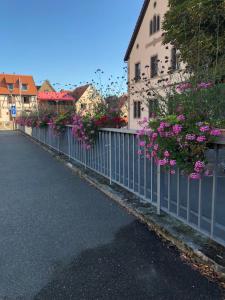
198, 203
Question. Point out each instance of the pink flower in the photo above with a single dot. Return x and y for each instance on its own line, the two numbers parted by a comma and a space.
215, 132
139, 152
172, 172
194, 176
163, 162
204, 128
201, 139
173, 162
190, 137
181, 118
142, 143
199, 164
177, 129
156, 147
154, 135
166, 154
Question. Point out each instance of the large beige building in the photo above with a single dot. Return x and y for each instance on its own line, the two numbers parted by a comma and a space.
147, 57
17, 90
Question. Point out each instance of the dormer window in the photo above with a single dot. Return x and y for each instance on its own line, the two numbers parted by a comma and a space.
10, 86
24, 87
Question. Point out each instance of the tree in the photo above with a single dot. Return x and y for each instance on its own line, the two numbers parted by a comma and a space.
197, 29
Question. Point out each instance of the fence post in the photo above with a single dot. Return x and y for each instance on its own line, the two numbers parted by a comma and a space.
110, 157
158, 189
68, 139
214, 192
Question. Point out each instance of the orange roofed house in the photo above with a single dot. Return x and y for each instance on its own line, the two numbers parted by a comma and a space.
19, 90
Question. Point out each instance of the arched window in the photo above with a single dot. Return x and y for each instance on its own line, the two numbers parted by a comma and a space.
158, 23
154, 24
151, 28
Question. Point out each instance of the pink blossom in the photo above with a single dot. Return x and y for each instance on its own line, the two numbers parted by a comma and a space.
156, 147
201, 139
142, 143
199, 164
181, 118
139, 152
163, 162
215, 132
166, 154
172, 172
204, 128
194, 176
154, 135
173, 162
177, 128
190, 137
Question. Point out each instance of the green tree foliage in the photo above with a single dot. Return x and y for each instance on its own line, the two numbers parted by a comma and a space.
197, 29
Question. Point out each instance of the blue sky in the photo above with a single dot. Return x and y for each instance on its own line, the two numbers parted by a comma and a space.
65, 41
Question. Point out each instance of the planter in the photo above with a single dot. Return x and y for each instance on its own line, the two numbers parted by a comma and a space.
28, 130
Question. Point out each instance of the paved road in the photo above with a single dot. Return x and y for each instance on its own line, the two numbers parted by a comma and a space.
60, 238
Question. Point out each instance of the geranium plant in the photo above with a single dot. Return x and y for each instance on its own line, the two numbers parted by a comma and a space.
177, 141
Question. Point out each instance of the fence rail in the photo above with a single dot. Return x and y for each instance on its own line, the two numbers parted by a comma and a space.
200, 204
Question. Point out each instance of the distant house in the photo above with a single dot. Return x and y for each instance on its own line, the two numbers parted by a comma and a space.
18, 90
147, 56
56, 101
86, 98
116, 103
45, 87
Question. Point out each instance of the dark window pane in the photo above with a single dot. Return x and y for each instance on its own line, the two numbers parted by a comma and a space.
158, 23
137, 72
151, 28
154, 24
174, 62
154, 66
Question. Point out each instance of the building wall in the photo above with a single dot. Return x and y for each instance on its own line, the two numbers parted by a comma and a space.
87, 101
5, 116
144, 48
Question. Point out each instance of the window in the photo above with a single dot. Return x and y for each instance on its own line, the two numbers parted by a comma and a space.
137, 109
152, 107
10, 86
137, 72
154, 25
151, 28
24, 87
174, 60
26, 100
154, 66
158, 23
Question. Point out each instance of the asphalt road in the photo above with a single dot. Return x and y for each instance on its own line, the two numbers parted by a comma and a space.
60, 238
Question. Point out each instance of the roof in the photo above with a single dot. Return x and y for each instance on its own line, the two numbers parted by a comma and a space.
55, 96
79, 91
17, 81
136, 29
46, 87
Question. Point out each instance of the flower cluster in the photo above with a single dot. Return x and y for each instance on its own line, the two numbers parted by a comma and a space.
175, 141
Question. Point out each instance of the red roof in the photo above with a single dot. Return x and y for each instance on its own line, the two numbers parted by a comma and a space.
17, 81
55, 96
